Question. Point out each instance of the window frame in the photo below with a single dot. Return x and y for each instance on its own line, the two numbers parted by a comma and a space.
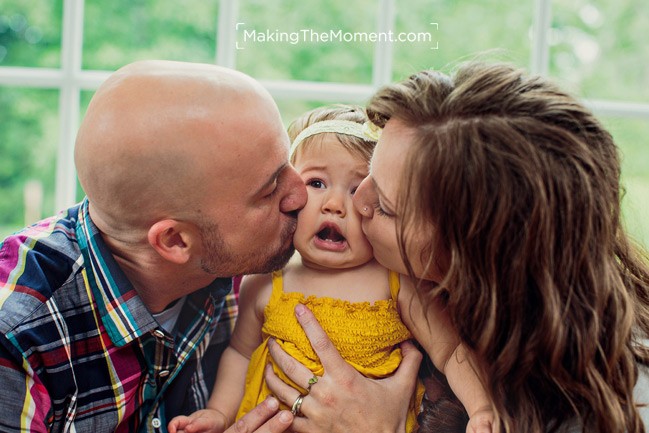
70, 79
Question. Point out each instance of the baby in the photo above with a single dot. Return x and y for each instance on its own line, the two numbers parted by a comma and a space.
355, 299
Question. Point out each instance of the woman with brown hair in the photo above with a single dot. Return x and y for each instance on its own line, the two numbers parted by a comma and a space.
505, 191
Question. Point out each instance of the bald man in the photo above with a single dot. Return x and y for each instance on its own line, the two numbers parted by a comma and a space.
112, 313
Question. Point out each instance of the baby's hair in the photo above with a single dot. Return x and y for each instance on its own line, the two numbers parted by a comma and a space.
360, 147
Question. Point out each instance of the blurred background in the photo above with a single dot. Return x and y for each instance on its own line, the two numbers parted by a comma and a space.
55, 53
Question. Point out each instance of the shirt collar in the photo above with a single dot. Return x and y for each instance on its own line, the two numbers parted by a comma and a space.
122, 312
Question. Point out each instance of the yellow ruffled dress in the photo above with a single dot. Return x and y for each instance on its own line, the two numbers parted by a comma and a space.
367, 337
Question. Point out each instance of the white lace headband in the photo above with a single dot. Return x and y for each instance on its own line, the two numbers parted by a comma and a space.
367, 131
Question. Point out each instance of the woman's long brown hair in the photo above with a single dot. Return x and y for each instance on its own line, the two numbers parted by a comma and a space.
523, 186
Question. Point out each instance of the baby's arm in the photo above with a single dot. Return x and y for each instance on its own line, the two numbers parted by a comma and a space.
465, 384
433, 330
231, 374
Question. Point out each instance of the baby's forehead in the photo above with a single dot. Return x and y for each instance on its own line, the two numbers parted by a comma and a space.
335, 146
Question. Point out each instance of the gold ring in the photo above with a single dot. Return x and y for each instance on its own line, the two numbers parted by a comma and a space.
312, 382
295, 410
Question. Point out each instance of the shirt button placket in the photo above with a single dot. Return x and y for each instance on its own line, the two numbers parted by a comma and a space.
160, 335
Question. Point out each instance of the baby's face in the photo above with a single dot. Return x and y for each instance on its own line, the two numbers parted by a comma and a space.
329, 233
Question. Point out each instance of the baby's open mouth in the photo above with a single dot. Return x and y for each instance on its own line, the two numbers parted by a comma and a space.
330, 234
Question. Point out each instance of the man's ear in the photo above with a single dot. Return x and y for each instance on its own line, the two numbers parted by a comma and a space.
173, 240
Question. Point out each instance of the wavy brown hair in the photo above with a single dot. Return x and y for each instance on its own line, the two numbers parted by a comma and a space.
543, 283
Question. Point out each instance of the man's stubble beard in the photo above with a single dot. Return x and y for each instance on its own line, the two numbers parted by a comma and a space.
221, 261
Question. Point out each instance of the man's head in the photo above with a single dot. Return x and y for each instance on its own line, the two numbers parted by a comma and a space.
192, 161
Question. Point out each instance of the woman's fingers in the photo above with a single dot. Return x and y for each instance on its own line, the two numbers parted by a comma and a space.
406, 373
322, 345
257, 420
283, 391
291, 368
343, 400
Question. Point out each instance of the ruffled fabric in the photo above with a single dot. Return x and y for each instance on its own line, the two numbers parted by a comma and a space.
367, 336
364, 334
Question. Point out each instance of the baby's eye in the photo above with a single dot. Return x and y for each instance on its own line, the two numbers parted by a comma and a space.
316, 183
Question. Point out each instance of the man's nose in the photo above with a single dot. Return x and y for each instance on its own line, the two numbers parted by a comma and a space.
296, 194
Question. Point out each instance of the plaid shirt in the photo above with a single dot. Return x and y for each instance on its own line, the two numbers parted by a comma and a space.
78, 349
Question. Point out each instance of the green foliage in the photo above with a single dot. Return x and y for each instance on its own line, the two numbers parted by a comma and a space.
122, 31
28, 147
30, 33
310, 59
463, 30
598, 49
630, 136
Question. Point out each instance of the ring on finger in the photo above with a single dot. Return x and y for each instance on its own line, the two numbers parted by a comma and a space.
312, 382
295, 410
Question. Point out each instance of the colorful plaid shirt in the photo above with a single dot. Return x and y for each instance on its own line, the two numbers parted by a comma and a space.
78, 349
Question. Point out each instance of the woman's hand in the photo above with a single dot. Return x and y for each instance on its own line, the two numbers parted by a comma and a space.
343, 400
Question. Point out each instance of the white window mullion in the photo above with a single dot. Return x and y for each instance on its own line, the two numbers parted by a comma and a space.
16, 76
91, 80
71, 51
621, 109
540, 58
226, 33
318, 91
382, 63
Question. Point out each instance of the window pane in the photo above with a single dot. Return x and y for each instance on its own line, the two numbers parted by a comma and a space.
86, 96
28, 140
122, 31
30, 33
463, 29
631, 136
284, 40
601, 48
291, 109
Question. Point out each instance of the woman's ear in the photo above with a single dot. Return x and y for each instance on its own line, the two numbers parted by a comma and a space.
173, 240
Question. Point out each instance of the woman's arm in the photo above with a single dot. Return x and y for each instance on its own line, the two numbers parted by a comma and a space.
343, 400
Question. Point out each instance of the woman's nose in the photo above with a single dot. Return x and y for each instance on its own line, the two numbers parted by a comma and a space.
363, 200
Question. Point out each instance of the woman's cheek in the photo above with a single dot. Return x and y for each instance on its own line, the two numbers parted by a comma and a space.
386, 249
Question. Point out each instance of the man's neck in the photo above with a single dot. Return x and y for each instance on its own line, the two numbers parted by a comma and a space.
156, 282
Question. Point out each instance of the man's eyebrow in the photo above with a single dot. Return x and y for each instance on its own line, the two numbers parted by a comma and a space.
272, 179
